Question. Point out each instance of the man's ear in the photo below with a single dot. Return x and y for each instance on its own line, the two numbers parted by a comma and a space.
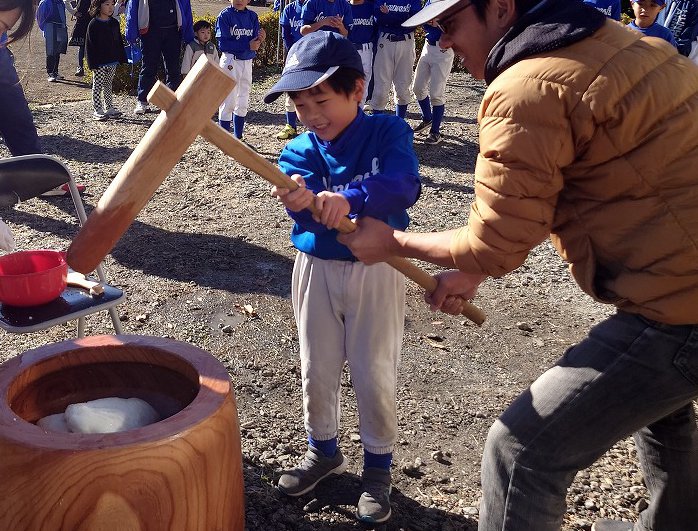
504, 13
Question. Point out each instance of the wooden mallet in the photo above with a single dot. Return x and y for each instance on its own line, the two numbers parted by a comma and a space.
164, 98
163, 145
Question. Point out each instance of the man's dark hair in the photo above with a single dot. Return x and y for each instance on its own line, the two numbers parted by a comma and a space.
522, 6
342, 81
199, 24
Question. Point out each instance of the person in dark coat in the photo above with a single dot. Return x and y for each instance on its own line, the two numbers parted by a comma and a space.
77, 37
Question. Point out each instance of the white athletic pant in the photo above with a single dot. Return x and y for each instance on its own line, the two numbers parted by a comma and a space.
289, 105
432, 71
238, 100
348, 311
393, 67
366, 54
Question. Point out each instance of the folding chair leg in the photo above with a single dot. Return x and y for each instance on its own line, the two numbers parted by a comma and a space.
81, 327
115, 319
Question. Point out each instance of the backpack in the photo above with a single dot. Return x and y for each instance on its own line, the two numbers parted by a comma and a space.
44, 12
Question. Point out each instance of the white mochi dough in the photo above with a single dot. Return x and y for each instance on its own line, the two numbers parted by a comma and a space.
109, 415
54, 423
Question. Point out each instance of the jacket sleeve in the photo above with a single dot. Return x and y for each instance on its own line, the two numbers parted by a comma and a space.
186, 59
132, 32
306, 162
397, 186
187, 21
525, 142
90, 47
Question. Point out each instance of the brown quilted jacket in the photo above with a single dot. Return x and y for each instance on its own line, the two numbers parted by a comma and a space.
596, 145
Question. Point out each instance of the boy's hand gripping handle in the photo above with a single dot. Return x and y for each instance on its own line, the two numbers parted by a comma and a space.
163, 97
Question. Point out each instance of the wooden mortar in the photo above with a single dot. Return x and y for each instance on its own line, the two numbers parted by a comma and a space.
181, 473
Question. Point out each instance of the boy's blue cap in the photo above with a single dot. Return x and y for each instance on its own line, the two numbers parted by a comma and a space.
313, 59
658, 2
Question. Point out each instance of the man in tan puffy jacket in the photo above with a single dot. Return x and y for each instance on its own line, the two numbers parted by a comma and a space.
589, 136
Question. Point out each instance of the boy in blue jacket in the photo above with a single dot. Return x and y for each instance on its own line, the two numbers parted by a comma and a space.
239, 36
646, 12
162, 26
345, 311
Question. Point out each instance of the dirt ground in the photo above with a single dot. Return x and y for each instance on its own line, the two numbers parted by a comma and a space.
212, 241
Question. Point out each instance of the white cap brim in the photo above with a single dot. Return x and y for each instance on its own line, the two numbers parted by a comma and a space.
430, 12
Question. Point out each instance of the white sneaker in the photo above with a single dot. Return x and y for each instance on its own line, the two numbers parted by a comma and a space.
51, 78
99, 116
113, 113
142, 107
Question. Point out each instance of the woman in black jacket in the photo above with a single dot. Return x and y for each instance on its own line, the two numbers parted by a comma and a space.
77, 37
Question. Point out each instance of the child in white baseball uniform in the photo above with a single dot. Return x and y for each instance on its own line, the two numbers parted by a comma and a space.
346, 311
239, 37
433, 69
395, 54
362, 34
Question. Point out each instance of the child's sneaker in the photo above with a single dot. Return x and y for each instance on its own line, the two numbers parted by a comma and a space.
314, 468
141, 107
63, 189
422, 126
51, 78
79, 72
374, 503
99, 116
433, 138
287, 133
113, 113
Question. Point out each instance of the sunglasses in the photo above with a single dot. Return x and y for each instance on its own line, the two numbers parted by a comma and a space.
444, 24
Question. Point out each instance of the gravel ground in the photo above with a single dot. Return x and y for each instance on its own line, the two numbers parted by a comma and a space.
208, 261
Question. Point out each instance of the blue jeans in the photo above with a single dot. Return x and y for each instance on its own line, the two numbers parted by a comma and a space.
630, 375
16, 121
165, 43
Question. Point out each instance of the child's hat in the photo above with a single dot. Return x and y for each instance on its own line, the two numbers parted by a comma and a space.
658, 2
313, 59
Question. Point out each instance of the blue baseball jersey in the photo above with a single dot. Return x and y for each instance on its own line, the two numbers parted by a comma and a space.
291, 22
398, 12
234, 31
610, 8
363, 29
656, 30
314, 10
432, 33
372, 164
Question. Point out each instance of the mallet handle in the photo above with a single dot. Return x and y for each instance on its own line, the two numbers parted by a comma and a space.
164, 98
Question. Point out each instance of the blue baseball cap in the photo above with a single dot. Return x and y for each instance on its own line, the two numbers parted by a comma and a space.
313, 59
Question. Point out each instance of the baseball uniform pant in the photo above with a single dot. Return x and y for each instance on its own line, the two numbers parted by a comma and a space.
432, 71
237, 102
354, 313
393, 67
366, 54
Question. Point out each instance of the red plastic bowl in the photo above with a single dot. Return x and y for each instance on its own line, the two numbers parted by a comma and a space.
31, 278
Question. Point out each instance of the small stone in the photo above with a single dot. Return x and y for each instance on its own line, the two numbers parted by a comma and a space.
355, 438
227, 329
641, 505
522, 325
142, 318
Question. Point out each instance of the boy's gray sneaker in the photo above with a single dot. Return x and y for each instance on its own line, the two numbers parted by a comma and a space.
612, 525
374, 503
422, 126
314, 468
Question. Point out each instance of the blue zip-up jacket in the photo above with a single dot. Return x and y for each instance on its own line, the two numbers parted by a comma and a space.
372, 164
655, 30
132, 32
234, 31
363, 27
291, 22
610, 8
398, 12
314, 10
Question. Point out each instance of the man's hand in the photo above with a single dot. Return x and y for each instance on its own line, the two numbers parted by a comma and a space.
371, 242
333, 208
453, 286
295, 200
